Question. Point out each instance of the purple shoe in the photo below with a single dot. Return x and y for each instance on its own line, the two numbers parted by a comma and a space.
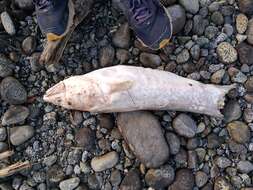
150, 21
52, 16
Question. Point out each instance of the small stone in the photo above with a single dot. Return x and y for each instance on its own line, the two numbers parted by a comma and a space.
104, 162
85, 138
107, 55
232, 111
55, 174
178, 17
222, 184
49, 161
248, 115
226, 52
94, 181
29, 45
150, 60
192, 159
228, 29
245, 167
211, 31
106, 121
249, 84
6, 66
3, 134
222, 162
19, 135
217, 18
199, 25
121, 38
246, 6
217, 77
195, 52
190, 6
143, 133
245, 52
184, 180
239, 131
241, 23
69, 184
25, 4
115, 178
12, 91
201, 178
181, 159
15, 114
160, 178
213, 141
8, 23
185, 126
183, 56
36, 66
173, 142
122, 55
131, 181
3, 147
250, 32
240, 38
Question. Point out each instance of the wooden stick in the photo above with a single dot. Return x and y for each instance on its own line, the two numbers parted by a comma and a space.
15, 168
6, 154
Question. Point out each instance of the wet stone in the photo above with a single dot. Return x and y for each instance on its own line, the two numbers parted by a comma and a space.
232, 111
184, 180
85, 138
19, 135
190, 6
178, 16
185, 126
104, 162
15, 114
201, 178
150, 60
69, 184
6, 66
245, 167
239, 131
222, 162
131, 181
29, 45
173, 142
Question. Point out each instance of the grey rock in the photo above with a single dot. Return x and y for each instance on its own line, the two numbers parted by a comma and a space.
245, 52
195, 52
161, 177
199, 25
211, 32
95, 181
183, 56
115, 178
184, 180
190, 6
250, 32
249, 84
217, 18
12, 91
192, 159
19, 135
248, 115
150, 60
122, 55
185, 126
25, 4
8, 23
143, 133
173, 142
222, 162
107, 55
131, 181
213, 141
3, 147
222, 183
181, 159
15, 114
3, 134
178, 18
201, 178
29, 45
69, 184
232, 111
245, 167
246, 6
104, 162
6, 66
121, 38
239, 131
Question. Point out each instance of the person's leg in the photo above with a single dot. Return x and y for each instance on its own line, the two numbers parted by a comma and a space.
52, 16
150, 21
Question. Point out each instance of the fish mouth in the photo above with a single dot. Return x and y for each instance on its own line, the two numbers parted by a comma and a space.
55, 94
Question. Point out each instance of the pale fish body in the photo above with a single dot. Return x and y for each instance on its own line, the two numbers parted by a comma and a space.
129, 88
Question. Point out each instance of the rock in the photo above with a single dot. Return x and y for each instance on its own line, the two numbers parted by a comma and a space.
6, 66
217, 18
8, 23
213, 141
250, 32
184, 180
121, 38
69, 184
211, 31
241, 23
107, 55
178, 18
25, 4
131, 181
173, 142
227, 53
201, 178
3, 147
185, 126
222, 184
249, 84
18, 135
150, 60
199, 25
195, 52
217, 77
85, 138
15, 114
192, 159
232, 111
3, 134
143, 133
222, 162
190, 6
115, 178
160, 178
12, 91
246, 6
183, 56
106, 121
34, 62
122, 55
94, 181
239, 131
245, 52
248, 115
50, 160
241, 38
181, 159
104, 162
29, 45
245, 167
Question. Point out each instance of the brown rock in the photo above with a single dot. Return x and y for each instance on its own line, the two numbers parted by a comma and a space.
249, 84
107, 55
245, 52
222, 184
29, 45
239, 131
241, 23
150, 60
131, 181
250, 32
85, 138
121, 38
184, 180
246, 6
106, 121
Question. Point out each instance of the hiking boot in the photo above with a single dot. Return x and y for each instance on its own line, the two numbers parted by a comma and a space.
52, 16
150, 21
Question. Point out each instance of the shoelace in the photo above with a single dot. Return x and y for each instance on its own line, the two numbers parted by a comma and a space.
141, 12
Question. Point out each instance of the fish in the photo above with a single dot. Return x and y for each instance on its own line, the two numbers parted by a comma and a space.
129, 88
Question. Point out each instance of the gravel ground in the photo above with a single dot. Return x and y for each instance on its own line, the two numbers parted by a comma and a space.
213, 43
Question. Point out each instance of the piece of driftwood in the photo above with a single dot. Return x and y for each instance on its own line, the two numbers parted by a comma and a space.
128, 88
6, 154
78, 10
13, 169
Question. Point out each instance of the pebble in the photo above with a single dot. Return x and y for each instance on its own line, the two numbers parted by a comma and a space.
246, 6
190, 6
211, 32
222, 162
104, 162
29, 45
121, 38
248, 115
3, 147
249, 84
25, 4
106, 121
192, 159
178, 16
85, 138
250, 32
227, 53
12, 91
181, 158
240, 38
143, 133
131, 181
201, 178
185, 126
15, 114
184, 180
3, 134
245, 167
69, 184
232, 111
50, 160
160, 178
217, 18
245, 52
94, 181
213, 141
241, 23
217, 77
195, 52
6, 66
222, 184
107, 55
122, 55
183, 56
173, 142
239, 131
19, 135
150, 60
115, 178
199, 25
8, 23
